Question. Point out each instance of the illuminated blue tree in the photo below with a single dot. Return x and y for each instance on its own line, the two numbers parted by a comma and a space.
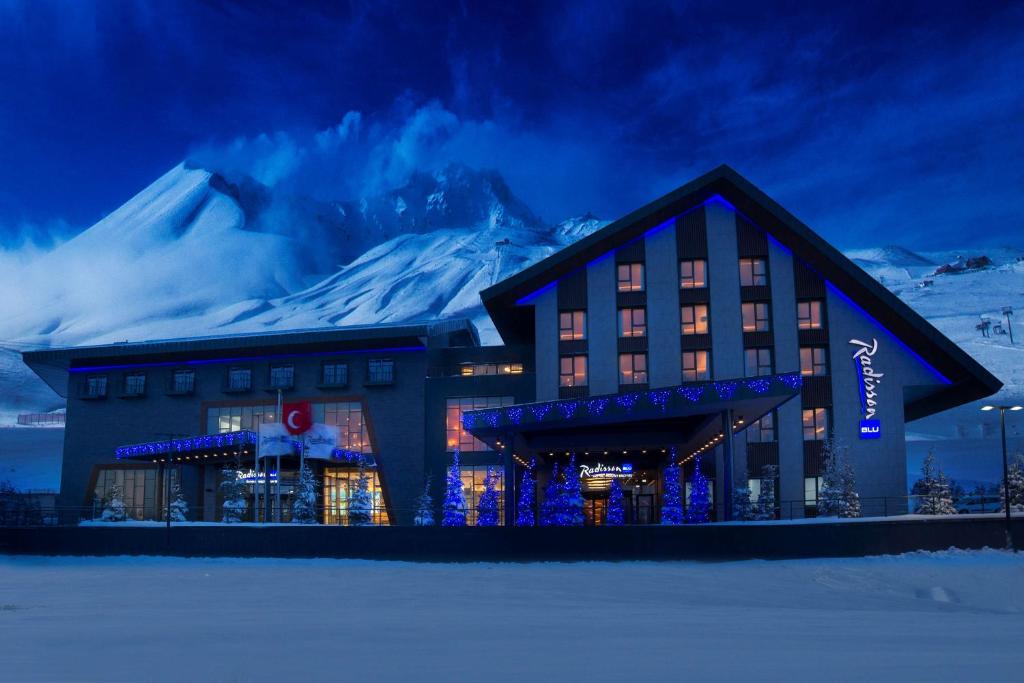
671, 500
453, 512
527, 496
700, 504
487, 508
616, 513
570, 502
552, 492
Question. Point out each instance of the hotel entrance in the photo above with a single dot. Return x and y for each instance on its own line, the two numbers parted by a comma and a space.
637, 477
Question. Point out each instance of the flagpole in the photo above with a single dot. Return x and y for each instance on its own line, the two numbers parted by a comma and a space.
277, 485
256, 479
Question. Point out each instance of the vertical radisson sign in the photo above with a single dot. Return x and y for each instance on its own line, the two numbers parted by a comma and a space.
868, 379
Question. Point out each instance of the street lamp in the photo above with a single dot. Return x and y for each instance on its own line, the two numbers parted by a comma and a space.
1006, 467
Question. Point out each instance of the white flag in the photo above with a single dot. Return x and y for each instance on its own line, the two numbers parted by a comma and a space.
321, 440
275, 440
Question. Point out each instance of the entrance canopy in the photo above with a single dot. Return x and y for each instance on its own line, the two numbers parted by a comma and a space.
215, 447
689, 416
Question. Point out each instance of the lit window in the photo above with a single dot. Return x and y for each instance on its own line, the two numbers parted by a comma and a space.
632, 322
753, 272
815, 423
282, 376
809, 315
693, 274
763, 430
632, 368
812, 361
757, 362
755, 317
694, 319
510, 369
334, 374
340, 486
239, 379
812, 485
183, 381
572, 325
348, 417
381, 371
136, 488
134, 384
237, 418
572, 371
456, 436
630, 277
696, 367
474, 483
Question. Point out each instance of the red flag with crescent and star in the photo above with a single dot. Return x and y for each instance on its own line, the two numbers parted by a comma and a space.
297, 417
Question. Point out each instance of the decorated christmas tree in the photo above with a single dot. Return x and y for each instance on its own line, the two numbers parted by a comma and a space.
1015, 479
233, 488
487, 507
742, 509
552, 492
569, 510
304, 506
453, 507
360, 506
527, 496
700, 497
767, 500
616, 515
114, 510
179, 508
838, 495
424, 507
934, 496
671, 499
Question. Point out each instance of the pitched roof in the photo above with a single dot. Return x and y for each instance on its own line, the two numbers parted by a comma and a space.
969, 380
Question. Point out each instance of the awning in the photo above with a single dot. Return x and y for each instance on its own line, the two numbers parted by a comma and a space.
213, 447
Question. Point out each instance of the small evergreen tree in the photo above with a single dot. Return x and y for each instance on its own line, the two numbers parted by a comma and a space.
838, 495
570, 502
179, 508
304, 509
1015, 478
697, 512
742, 509
487, 507
527, 496
425, 507
934, 497
671, 500
453, 508
616, 515
360, 506
552, 492
766, 502
232, 487
114, 510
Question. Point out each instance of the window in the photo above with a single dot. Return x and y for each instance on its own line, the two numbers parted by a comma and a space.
134, 384
696, 367
96, 386
572, 371
755, 490
334, 374
755, 317
456, 436
474, 483
812, 485
632, 368
815, 422
282, 376
631, 277
753, 272
757, 362
340, 485
510, 369
763, 430
476, 369
809, 315
693, 274
695, 319
137, 488
183, 381
382, 371
812, 361
572, 325
239, 379
632, 322
348, 417
237, 418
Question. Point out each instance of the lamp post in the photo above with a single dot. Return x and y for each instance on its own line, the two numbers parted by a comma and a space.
1006, 467
1008, 311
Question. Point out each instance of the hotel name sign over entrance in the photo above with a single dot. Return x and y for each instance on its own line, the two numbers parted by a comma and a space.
868, 379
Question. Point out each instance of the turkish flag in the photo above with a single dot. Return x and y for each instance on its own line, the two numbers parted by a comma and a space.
297, 417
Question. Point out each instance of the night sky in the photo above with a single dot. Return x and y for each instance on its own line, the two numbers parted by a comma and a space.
881, 123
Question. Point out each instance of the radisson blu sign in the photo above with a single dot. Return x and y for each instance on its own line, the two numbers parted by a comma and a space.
868, 379
600, 471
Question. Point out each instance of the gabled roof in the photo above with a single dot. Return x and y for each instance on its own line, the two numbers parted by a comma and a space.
969, 380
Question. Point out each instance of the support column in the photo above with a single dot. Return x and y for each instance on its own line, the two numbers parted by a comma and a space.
510, 481
727, 464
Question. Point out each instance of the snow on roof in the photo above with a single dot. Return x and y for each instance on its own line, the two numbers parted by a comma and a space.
30, 458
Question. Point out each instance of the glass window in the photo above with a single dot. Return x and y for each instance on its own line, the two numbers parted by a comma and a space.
474, 479
239, 379
753, 272
632, 368
763, 430
631, 277
96, 386
812, 361
137, 488
510, 369
340, 485
349, 417
572, 371
572, 325
334, 374
693, 274
755, 490
755, 317
696, 366
812, 485
184, 381
632, 322
757, 362
815, 422
809, 315
282, 376
381, 371
221, 419
694, 319
456, 436
476, 369
135, 384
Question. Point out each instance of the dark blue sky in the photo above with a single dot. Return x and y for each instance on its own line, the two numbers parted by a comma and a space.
885, 122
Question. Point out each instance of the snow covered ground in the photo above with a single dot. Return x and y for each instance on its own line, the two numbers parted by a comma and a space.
924, 616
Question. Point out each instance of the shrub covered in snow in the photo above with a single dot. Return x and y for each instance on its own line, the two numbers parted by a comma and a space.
114, 510
766, 501
742, 509
360, 508
935, 496
1016, 485
453, 507
838, 495
232, 486
424, 507
304, 510
179, 508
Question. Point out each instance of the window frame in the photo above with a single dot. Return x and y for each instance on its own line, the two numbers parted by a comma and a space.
816, 426
239, 370
759, 354
696, 374
757, 430
186, 387
336, 382
576, 328
695, 324
628, 284
102, 382
133, 384
753, 265
569, 379
458, 437
811, 305
691, 281
279, 367
814, 364
756, 307
380, 371
633, 325
633, 356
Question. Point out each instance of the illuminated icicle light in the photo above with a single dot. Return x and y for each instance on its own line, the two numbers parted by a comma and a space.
539, 411
596, 406
515, 414
491, 418
568, 409
346, 455
691, 394
187, 445
793, 381
758, 384
659, 398
627, 401
725, 390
